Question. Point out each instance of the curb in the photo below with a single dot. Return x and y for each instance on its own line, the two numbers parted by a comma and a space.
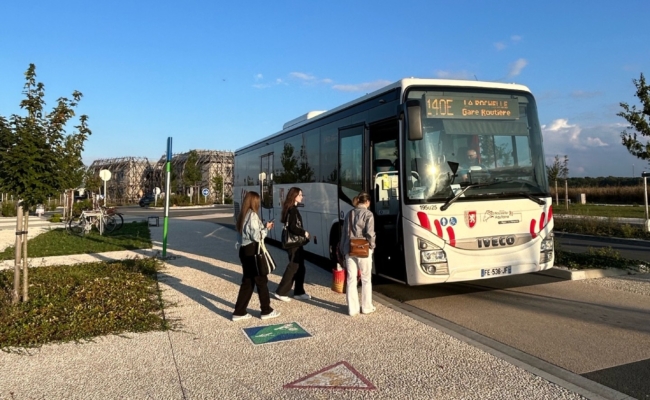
636, 242
581, 274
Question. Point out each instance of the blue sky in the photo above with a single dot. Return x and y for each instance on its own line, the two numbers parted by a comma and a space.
217, 75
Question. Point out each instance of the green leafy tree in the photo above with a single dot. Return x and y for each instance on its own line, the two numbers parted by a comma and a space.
559, 169
638, 120
37, 158
92, 182
217, 186
192, 174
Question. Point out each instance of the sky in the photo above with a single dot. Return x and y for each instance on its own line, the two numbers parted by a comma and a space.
219, 75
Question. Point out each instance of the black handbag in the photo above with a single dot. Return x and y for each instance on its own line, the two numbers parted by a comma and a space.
290, 240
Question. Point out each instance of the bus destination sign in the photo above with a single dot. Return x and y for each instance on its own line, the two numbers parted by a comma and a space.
474, 107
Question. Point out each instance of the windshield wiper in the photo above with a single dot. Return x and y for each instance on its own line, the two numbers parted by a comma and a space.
453, 199
531, 197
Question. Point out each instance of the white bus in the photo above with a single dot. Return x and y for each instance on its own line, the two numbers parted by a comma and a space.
437, 218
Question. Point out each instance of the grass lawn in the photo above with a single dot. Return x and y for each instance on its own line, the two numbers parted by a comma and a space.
75, 302
81, 301
58, 242
601, 211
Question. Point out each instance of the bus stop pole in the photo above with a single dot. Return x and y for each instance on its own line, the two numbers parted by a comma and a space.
167, 195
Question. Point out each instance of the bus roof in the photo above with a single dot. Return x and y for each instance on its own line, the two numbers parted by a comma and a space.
403, 84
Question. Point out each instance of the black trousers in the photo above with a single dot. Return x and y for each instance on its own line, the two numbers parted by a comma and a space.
251, 279
295, 273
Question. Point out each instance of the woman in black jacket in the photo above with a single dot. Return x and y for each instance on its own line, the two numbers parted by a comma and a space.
295, 271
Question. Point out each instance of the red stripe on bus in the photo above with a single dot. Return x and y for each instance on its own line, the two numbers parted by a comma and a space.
452, 236
533, 223
542, 220
438, 228
424, 220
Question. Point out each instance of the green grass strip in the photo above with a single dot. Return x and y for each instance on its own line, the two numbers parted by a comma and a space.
58, 242
76, 302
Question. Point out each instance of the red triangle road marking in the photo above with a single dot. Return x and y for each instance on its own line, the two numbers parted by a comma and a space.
338, 376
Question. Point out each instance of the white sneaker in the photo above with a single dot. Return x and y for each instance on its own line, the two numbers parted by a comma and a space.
282, 298
304, 296
241, 317
372, 310
273, 314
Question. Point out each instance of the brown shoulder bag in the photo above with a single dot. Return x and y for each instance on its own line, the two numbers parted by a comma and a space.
359, 247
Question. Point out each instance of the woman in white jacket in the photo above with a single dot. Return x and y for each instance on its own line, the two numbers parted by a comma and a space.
363, 225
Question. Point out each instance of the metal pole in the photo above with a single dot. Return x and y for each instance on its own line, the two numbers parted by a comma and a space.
557, 197
25, 266
645, 195
19, 246
167, 194
105, 194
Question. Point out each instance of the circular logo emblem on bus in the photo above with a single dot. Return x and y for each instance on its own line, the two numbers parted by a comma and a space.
453, 221
443, 221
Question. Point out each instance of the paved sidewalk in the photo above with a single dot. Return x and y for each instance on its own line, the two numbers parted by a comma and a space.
208, 356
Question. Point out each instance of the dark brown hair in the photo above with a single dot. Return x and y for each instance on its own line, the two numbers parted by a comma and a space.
251, 202
362, 197
289, 202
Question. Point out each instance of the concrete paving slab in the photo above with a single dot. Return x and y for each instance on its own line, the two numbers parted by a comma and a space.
206, 356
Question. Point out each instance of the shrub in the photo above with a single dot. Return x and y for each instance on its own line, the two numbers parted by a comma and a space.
8, 208
228, 200
78, 207
55, 218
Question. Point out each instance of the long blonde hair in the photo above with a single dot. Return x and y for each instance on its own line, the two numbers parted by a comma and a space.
251, 202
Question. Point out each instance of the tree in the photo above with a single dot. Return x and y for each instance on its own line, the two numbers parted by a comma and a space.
639, 121
38, 159
92, 182
192, 174
217, 186
559, 169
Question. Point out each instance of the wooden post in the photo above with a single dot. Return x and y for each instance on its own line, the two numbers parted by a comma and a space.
566, 193
25, 266
15, 298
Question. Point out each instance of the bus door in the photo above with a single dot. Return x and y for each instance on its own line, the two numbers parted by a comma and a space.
266, 190
385, 204
352, 166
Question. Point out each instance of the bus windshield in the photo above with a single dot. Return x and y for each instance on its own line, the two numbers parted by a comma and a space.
492, 139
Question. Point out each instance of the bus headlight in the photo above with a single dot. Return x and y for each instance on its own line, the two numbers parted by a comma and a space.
547, 244
546, 250
433, 259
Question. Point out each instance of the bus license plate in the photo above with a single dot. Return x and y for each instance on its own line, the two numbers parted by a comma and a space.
496, 271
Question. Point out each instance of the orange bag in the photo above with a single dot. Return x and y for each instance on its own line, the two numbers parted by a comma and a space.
338, 280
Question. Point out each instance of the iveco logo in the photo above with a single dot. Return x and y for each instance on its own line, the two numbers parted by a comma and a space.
496, 241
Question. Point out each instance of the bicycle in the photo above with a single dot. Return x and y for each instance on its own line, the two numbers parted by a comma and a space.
119, 220
84, 223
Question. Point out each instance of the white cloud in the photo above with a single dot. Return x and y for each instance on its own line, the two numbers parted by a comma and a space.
454, 75
589, 148
302, 76
516, 38
362, 87
500, 46
258, 77
309, 79
517, 67
595, 142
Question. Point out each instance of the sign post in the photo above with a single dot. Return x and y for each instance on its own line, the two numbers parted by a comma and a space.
106, 176
205, 192
167, 194
156, 192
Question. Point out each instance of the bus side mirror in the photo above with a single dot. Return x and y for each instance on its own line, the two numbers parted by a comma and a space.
414, 119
